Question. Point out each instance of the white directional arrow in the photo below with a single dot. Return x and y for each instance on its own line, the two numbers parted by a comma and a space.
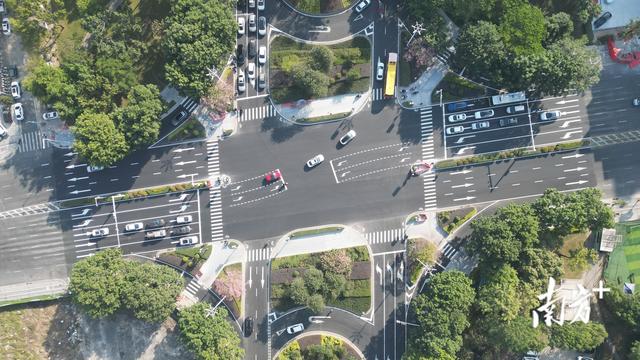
70, 154
279, 332
566, 123
576, 169
262, 279
184, 149
389, 268
465, 149
405, 159
344, 174
341, 162
181, 198
461, 140
236, 188
577, 182
463, 185
359, 17
185, 162
71, 166
569, 133
186, 176
402, 148
237, 199
321, 29
465, 198
460, 172
182, 208
400, 271
84, 223
83, 213
573, 156
78, 178
75, 192
250, 281
562, 102
379, 271
316, 319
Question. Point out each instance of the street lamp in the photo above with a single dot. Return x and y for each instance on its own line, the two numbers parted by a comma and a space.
115, 216
96, 199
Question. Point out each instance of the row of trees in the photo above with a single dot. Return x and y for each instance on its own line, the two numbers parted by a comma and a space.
516, 248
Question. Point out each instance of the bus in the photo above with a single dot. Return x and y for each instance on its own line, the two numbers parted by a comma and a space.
390, 81
508, 98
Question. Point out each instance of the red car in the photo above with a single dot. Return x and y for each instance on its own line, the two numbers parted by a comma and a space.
272, 176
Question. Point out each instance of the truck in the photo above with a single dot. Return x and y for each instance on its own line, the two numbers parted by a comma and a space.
390, 80
508, 98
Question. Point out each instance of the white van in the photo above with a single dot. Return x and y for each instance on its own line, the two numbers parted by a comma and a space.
515, 109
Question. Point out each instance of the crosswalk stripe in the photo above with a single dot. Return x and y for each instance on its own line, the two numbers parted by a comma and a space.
384, 236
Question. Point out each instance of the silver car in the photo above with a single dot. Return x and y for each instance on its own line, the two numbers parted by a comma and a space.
479, 125
550, 115
483, 114
457, 117
134, 226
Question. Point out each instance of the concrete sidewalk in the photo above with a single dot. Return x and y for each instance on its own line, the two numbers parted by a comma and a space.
221, 256
302, 109
419, 92
33, 289
348, 237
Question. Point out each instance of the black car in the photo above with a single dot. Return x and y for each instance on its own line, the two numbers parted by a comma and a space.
252, 48
155, 223
248, 326
181, 230
601, 20
508, 122
179, 117
240, 54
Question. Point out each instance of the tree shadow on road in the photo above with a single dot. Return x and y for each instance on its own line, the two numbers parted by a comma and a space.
281, 131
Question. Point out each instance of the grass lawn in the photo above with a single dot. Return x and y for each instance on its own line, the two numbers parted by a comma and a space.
321, 6
352, 56
624, 261
71, 35
456, 88
190, 129
572, 242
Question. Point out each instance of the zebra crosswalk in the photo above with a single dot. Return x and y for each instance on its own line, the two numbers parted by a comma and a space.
259, 254
377, 94
193, 287
384, 236
29, 210
429, 179
260, 112
32, 141
215, 195
449, 251
189, 104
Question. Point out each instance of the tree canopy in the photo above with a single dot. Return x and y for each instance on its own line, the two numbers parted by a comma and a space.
578, 336
139, 119
98, 140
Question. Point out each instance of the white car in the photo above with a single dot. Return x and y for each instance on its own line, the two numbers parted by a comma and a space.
184, 219
50, 115
251, 71
241, 85
100, 232
262, 55
252, 23
188, 240
241, 25
635, 102
479, 125
252, 4
260, 5
94, 168
16, 110
380, 70
134, 226
457, 117
2, 8
315, 161
550, 115
294, 329
6, 28
15, 90
455, 130
347, 137
362, 5
3, 131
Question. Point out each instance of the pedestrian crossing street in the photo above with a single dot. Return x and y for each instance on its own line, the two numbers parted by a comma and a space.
377, 94
429, 179
384, 236
29, 210
32, 141
193, 287
189, 104
215, 195
259, 254
258, 113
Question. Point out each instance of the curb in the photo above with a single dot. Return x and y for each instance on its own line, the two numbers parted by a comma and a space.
321, 333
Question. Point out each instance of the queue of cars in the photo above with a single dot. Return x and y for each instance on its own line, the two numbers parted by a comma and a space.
156, 230
251, 24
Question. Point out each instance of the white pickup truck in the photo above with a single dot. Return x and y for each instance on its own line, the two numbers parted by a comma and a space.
156, 234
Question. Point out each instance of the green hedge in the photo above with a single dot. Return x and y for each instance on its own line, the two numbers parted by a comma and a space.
359, 253
454, 225
329, 117
356, 305
324, 230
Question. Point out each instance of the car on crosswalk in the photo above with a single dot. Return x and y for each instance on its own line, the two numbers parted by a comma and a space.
100, 232
188, 240
134, 226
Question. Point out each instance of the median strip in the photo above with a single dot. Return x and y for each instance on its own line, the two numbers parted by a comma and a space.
315, 232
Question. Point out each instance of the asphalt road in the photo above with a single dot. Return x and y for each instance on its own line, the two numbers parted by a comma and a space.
27, 179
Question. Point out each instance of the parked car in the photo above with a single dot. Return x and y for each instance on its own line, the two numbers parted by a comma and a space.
251, 71
134, 226
252, 4
6, 28
2, 8
550, 115
457, 117
380, 70
188, 240
262, 26
316, 160
344, 140
156, 234
241, 25
17, 112
252, 48
241, 84
261, 5
50, 115
181, 230
362, 5
262, 55
94, 168
636, 102
184, 219
515, 109
3, 131
483, 114
479, 125
601, 20
155, 223
508, 122
240, 55
294, 329
455, 130
13, 71
272, 176
100, 232
252, 23
262, 80
248, 326
15, 90
457, 106
181, 116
